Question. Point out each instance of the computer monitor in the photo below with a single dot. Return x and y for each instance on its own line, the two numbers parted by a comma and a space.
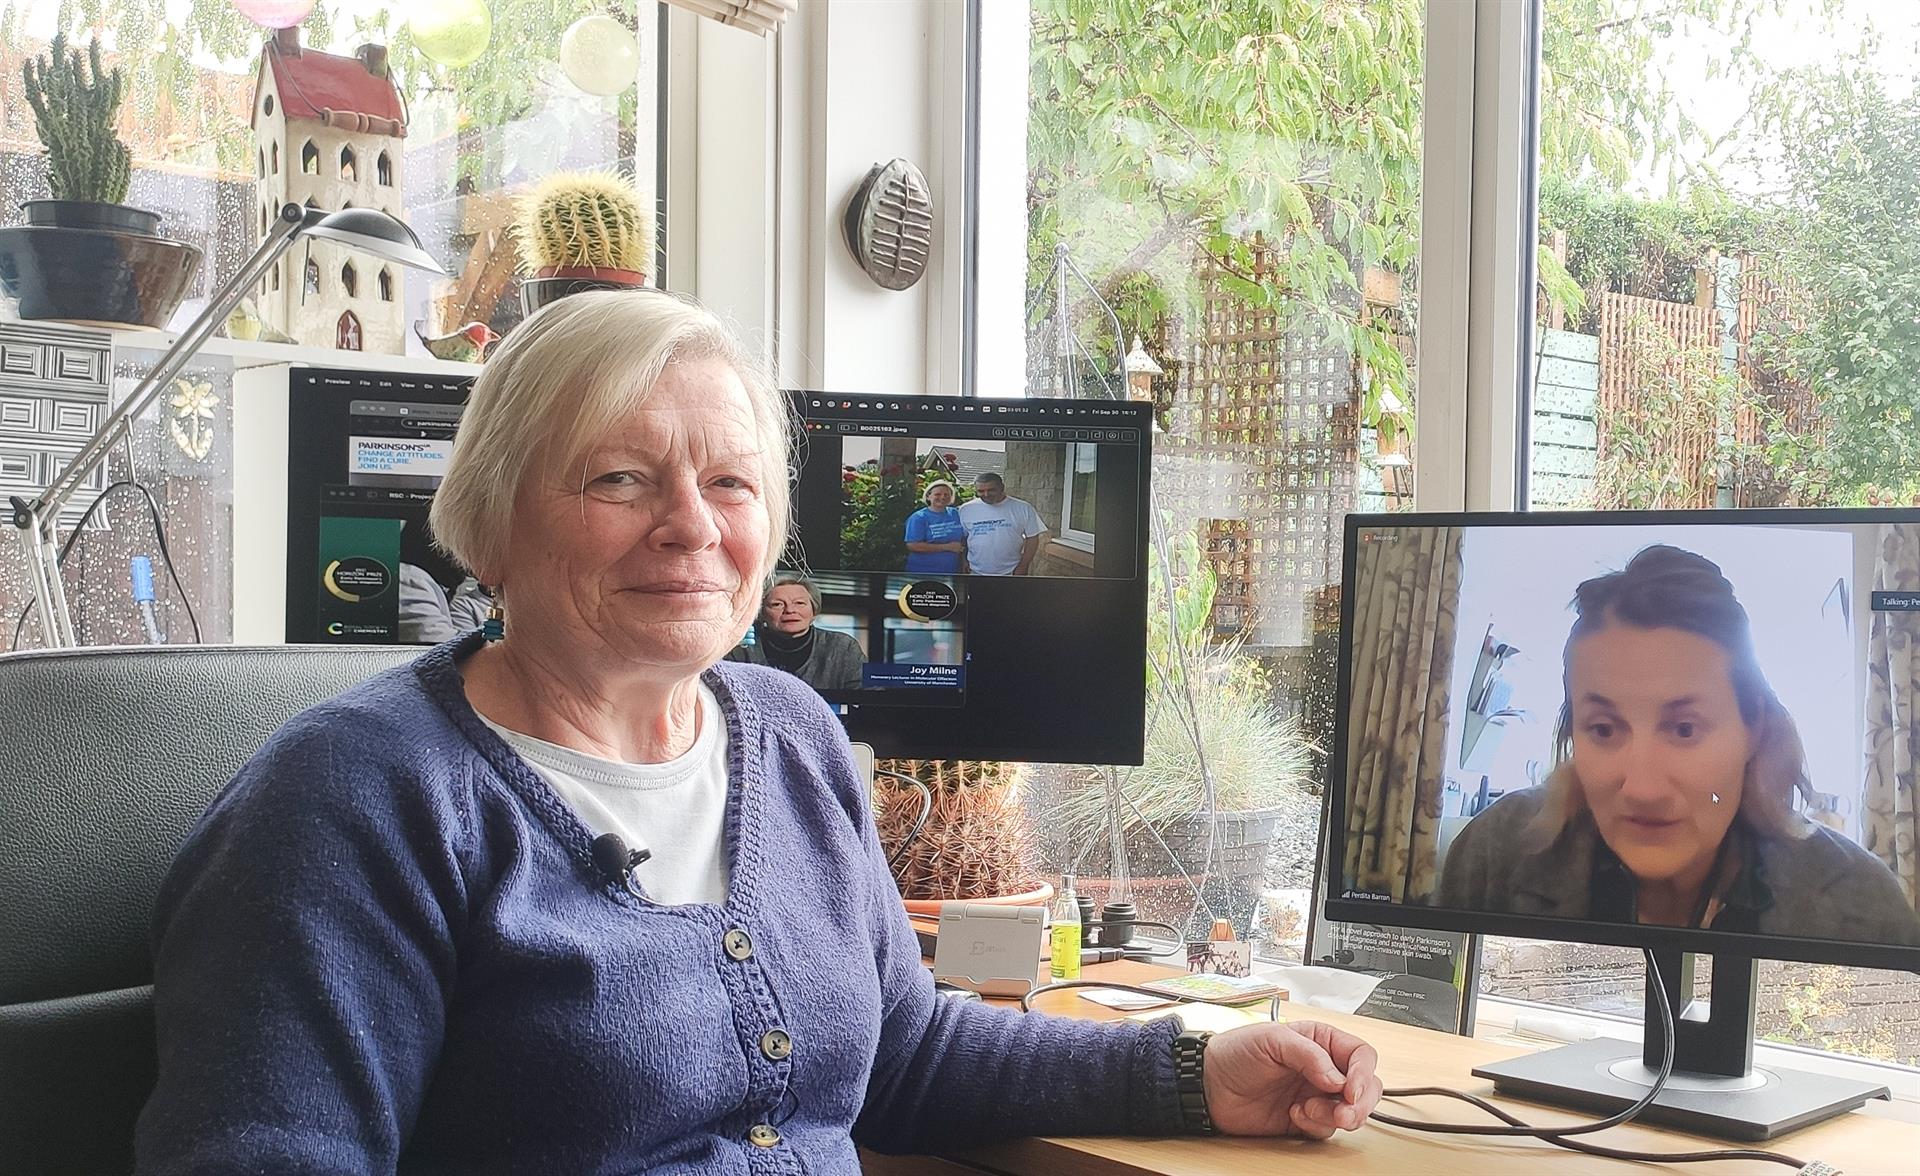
1684, 731
1010, 630
980, 570
365, 452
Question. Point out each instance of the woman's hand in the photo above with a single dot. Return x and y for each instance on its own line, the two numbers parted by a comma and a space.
1304, 1078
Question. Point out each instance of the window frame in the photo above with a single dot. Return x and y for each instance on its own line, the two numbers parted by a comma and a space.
1068, 535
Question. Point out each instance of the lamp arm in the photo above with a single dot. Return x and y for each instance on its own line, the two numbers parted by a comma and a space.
289, 225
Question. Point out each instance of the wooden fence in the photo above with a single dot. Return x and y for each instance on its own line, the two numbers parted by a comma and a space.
1645, 342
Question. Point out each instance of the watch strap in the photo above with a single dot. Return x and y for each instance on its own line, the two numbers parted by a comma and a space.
1189, 1080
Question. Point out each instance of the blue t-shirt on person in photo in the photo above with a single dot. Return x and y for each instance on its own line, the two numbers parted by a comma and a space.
927, 525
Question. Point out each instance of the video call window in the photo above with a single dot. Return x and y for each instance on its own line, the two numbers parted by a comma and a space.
973, 498
1032, 513
873, 639
1680, 725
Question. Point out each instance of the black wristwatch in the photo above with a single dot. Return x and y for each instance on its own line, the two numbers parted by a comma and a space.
1189, 1080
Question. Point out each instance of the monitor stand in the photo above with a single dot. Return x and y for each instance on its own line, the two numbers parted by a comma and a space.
1715, 1088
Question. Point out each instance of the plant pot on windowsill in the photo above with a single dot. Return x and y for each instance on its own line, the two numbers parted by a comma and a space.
581, 231
98, 264
1034, 894
551, 283
972, 844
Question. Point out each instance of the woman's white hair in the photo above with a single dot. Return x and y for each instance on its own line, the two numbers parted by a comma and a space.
563, 380
813, 591
927, 494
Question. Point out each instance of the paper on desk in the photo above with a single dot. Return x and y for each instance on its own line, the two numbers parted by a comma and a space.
1114, 998
1209, 1018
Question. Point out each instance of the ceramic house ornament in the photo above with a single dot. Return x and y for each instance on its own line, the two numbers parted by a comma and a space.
328, 133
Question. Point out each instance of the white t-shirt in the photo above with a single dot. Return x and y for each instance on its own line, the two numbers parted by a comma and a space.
996, 533
677, 809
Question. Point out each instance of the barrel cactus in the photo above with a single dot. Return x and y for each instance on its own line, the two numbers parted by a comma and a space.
584, 220
74, 102
975, 843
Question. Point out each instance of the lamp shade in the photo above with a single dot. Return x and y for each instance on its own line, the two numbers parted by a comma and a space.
375, 233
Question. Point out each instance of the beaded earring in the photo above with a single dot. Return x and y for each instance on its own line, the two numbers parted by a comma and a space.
495, 626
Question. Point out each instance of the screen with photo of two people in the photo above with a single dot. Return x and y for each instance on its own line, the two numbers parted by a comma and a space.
967, 577
1587, 726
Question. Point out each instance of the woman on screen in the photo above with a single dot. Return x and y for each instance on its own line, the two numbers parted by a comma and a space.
1676, 768
786, 638
936, 538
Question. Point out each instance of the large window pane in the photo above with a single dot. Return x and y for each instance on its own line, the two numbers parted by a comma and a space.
476, 136
1237, 187
1728, 296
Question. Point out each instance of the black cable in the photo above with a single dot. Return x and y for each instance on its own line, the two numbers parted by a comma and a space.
1026, 1002
160, 541
1614, 1120
1580, 1145
1559, 1136
920, 822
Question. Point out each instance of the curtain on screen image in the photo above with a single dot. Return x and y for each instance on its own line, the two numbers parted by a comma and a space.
1403, 638
1892, 825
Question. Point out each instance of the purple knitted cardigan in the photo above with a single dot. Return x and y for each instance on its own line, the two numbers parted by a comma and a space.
385, 948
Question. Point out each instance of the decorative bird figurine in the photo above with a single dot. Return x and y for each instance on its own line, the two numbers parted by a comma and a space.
244, 323
467, 345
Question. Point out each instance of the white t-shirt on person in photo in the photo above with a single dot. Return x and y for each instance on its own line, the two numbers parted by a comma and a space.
995, 534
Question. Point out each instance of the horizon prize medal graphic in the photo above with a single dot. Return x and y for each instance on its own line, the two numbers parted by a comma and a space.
923, 601
928, 600
359, 565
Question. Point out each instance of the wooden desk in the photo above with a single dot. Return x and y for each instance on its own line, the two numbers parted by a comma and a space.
1860, 1144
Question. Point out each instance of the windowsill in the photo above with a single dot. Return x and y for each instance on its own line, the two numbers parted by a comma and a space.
1065, 551
245, 353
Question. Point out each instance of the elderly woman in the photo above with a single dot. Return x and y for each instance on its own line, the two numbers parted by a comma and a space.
1672, 802
405, 938
786, 638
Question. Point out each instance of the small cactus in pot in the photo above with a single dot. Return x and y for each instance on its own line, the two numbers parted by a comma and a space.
82, 256
74, 102
582, 231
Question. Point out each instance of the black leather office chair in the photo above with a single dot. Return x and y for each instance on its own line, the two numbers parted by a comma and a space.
107, 757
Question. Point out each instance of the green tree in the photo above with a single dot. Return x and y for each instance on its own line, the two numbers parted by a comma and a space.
1843, 235
1611, 121
1162, 136
1607, 106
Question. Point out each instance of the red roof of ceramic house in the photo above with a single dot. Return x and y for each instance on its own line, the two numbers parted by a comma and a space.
314, 82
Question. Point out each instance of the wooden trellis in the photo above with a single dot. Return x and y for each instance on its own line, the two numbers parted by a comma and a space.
1637, 333
1269, 408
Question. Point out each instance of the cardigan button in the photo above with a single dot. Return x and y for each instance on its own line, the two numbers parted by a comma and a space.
739, 945
776, 1044
761, 1135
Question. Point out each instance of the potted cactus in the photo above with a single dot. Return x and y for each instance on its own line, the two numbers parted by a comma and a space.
82, 256
582, 231
974, 844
